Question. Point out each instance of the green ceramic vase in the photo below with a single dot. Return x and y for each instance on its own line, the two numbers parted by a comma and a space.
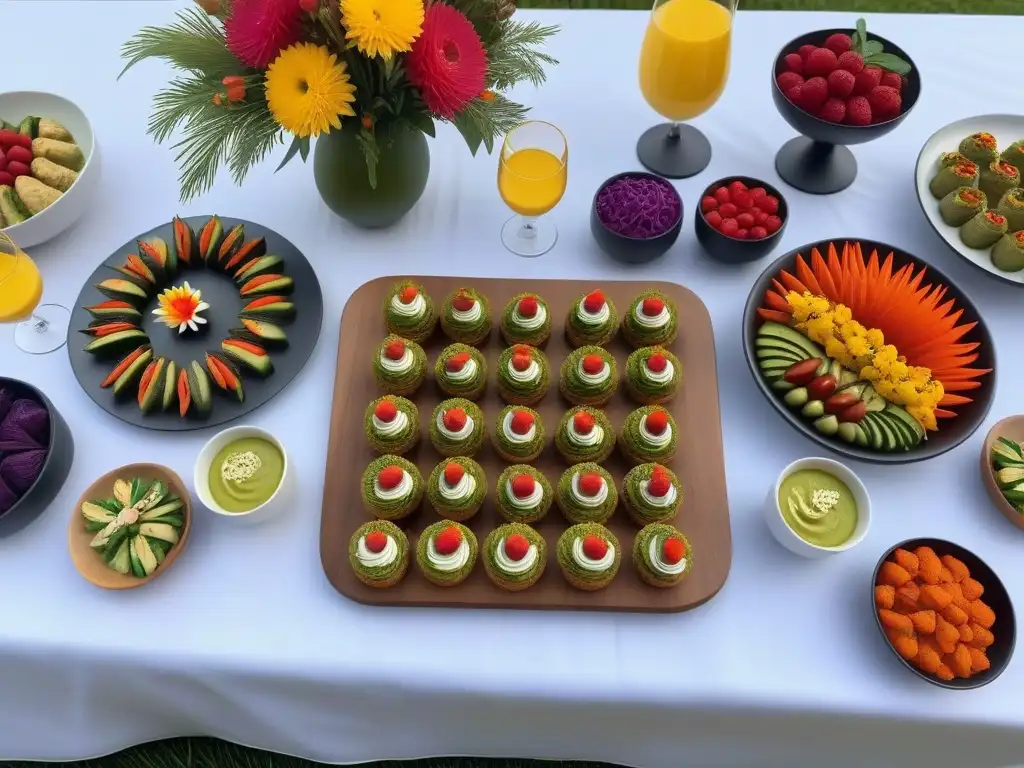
339, 168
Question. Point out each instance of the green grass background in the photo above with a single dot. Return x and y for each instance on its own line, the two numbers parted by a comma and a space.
210, 753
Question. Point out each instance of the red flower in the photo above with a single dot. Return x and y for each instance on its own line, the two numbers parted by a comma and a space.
258, 30
447, 62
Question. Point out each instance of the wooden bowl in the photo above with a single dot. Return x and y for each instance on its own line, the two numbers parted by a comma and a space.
1013, 428
88, 563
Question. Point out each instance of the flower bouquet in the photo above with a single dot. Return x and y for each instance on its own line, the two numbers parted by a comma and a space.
249, 72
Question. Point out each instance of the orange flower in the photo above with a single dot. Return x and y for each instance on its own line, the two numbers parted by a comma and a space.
179, 307
487, 95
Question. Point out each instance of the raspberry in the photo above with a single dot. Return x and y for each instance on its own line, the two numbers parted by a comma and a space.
656, 363
735, 188
659, 484
521, 362
885, 103
806, 50
408, 294
448, 540
813, 94
652, 306
794, 63
760, 219
756, 233
851, 62
840, 84
673, 550
787, 80
457, 361
721, 195
757, 193
656, 422
453, 472
389, 477
833, 110
463, 302
821, 62
454, 419
594, 547
376, 541
593, 301
385, 410
528, 306
742, 234
516, 547
795, 94
394, 350
839, 43
729, 227
745, 220
593, 364
582, 422
714, 219
770, 205
708, 204
892, 80
521, 422
858, 110
867, 78
591, 484
773, 224
523, 485
744, 201
729, 210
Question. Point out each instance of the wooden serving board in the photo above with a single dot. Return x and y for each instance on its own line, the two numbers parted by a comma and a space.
699, 461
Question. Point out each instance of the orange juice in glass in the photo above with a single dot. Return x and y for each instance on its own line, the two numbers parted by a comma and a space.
684, 65
39, 329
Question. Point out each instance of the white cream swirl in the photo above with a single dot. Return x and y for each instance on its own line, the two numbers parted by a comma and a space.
415, 308
464, 374
401, 365
530, 323
594, 378
526, 502
462, 434
404, 488
660, 566
593, 318
658, 501
510, 434
663, 376
583, 500
508, 565
460, 491
588, 440
448, 563
658, 441
386, 556
391, 428
651, 321
587, 564
468, 316
531, 373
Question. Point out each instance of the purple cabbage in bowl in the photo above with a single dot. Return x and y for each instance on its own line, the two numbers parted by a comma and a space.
24, 445
639, 207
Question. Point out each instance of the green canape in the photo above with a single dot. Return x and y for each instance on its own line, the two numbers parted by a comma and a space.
399, 366
585, 434
652, 375
515, 556
461, 371
651, 493
466, 316
1011, 205
649, 434
586, 494
379, 554
997, 179
456, 488
1008, 252
662, 555
446, 553
952, 158
392, 425
526, 319
953, 177
392, 487
409, 312
961, 205
984, 230
1014, 155
651, 319
523, 375
524, 494
589, 376
592, 320
457, 427
980, 148
589, 556
518, 434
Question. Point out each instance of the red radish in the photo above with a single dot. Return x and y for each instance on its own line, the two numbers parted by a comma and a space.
822, 387
801, 374
19, 154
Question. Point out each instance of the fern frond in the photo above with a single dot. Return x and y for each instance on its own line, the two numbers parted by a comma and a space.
514, 57
193, 43
484, 121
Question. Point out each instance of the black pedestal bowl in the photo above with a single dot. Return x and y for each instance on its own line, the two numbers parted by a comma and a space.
818, 161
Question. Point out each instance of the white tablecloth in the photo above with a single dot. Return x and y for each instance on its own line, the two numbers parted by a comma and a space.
246, 640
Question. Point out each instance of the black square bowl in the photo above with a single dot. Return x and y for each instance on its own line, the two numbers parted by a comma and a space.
633, 250
730, 250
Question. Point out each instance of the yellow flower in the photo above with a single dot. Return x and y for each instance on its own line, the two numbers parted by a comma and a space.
382, 27
876, 338
308, 90
834, 348
843, 314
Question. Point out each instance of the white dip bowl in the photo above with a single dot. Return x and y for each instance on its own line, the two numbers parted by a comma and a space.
272, 507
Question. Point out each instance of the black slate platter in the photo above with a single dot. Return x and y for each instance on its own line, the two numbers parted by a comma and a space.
221, 293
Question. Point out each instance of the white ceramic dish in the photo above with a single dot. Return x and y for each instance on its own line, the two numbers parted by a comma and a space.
16, 105
272, 507
1007, 129
788, 538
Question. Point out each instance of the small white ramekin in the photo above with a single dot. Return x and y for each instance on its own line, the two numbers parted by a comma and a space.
272, 507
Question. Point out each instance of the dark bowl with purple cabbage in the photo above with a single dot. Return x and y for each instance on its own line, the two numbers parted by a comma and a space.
732, 250
36, 452
636, 217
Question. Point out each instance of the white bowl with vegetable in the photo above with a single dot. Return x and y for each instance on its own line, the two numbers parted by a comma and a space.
243, 473
818, 507
49, 165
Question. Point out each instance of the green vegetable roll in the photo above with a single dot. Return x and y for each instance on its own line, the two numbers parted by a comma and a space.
983, 230
952, 177
947, 159
1014, 155
1008, 253
1011, 205
997, 178
980, 148
961, 205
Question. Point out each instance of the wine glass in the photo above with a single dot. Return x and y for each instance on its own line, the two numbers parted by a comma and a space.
532, 174
684, 64
42, 328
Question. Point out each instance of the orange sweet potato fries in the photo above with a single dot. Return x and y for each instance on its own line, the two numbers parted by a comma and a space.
913, 318
932, 613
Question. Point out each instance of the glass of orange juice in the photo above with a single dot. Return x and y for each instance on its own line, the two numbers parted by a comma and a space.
40, 328
684, 64
532, 174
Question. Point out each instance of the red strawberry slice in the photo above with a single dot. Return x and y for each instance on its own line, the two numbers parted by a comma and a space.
673, 550
385, 411
594, 547
457, 361
394, 350
448, 540
389, 477
454, 419
594, 301
652, 306
521, 422
453, 472
593, 364
516, 547
657, 421
659, 484
522, 349
521, 362
582, 422
523, 485
408, 294
591, 484
657, 362
528, 306
463, 302
376, 541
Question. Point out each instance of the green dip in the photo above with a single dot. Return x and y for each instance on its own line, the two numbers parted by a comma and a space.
818, 507
245, 474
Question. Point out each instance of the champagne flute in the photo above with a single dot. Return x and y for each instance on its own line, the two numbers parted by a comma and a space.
40, 328
532, 174
684, 64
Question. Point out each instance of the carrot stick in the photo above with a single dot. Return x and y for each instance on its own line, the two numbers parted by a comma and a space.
941, 413
835, 267
779, 288
773, 316
792, 283
824, 277
951, 399
959, 386
777, 303
804, 274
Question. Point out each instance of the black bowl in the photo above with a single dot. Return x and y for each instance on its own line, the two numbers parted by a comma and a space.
819, 162
727, 249
57, 465
953, 432
633, 250
996, 597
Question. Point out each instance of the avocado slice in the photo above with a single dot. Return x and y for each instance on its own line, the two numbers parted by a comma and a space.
266, 285
784, 332
278, 311
121, 561
151, 386
170, 386
153, 259
29, 127
263, 331
11, 207
261, 266
159, 531
115, 342
200, 389
96, 517
132, 372
251, 250
1005, 453
1007, 477
143, 559
209, 238
230, 244
249, 355
124, 290
115, 310
168, 506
